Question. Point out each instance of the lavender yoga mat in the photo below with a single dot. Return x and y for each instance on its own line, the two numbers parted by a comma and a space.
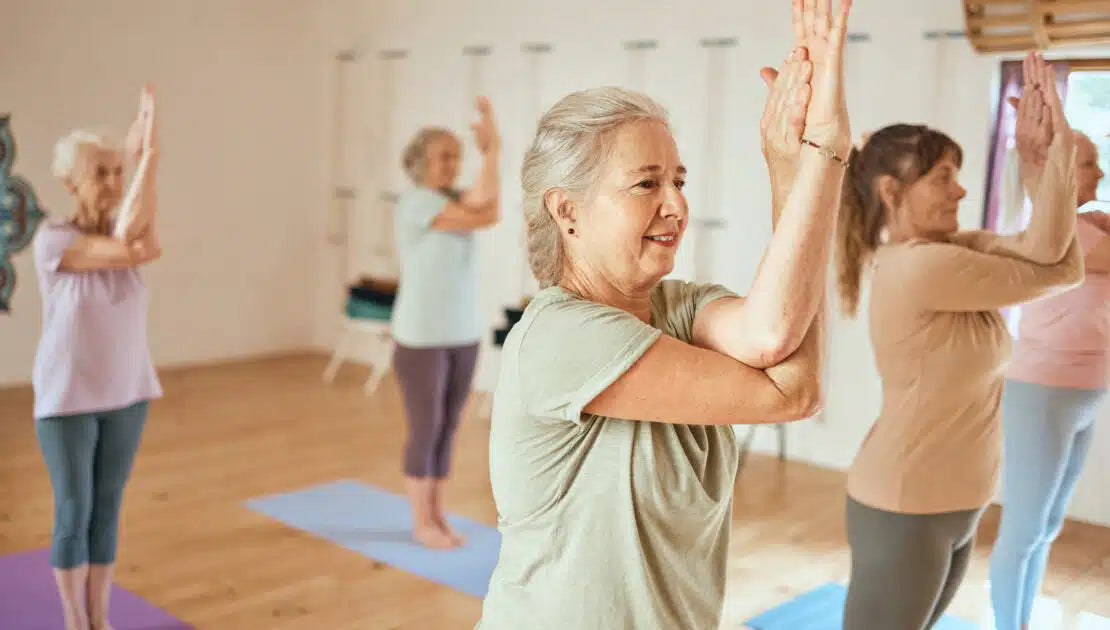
29, 599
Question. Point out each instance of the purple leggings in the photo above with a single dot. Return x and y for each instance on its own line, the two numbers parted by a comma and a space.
435, 383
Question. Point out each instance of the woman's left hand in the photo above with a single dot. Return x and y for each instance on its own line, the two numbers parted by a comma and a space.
485, 130
142, 138
784, 114
1040, 119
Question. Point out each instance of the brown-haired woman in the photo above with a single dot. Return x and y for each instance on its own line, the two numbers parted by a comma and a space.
929, 465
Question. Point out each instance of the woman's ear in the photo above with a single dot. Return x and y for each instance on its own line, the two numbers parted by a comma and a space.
562, 209
889, 190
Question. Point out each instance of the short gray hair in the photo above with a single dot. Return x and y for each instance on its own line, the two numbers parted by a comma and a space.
572, 141
414, 157
72, 148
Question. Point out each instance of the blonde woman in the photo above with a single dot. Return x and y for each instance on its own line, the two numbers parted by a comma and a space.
93, 377
611, 456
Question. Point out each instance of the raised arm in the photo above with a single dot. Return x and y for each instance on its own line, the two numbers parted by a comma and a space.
958, 277
758, 360
139, 208
478, 206
578, 357
789, 287
1046, 149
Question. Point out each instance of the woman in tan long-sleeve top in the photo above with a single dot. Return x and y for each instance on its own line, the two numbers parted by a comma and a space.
929, 465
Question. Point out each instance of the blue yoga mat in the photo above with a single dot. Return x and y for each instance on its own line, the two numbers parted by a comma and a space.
823, 609
378, 524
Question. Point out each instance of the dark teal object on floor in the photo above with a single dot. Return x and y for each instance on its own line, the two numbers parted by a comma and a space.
365, 309
823, 609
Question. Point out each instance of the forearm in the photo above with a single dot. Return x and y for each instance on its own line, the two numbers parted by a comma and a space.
487, 186
141, 197
799, 377
1052, 225
790, 283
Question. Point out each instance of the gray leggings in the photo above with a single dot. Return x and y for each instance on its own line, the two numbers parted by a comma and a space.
906, 568
89, 459
435, 383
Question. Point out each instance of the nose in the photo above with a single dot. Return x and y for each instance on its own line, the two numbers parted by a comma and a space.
674, 204
961, 192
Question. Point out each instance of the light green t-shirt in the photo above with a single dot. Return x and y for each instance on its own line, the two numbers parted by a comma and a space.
437, 297
606, 523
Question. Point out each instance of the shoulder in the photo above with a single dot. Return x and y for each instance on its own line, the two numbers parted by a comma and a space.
675, 293
554, 307
1098, 218
418, 196
559, 323
52, 232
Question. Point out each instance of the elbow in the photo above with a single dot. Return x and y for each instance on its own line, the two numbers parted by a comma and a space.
808, 401
804, 400
491, 213
776, 346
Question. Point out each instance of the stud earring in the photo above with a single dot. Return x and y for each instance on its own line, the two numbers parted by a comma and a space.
570, 230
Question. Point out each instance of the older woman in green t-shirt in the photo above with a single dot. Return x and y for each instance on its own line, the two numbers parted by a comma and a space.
612, 458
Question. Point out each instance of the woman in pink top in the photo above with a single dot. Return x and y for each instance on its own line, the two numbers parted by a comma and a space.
93, 377
1056, 381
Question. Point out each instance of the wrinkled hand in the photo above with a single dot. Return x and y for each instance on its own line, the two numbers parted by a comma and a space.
823, 34
485, 130
1041, 126
784, 114
142, 137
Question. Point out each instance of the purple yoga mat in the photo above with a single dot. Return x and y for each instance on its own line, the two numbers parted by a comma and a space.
29, 599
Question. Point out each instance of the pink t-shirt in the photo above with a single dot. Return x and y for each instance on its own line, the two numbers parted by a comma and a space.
1063, 340
93, 354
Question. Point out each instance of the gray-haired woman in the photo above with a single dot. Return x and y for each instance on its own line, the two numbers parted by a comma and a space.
611, 456
436, 321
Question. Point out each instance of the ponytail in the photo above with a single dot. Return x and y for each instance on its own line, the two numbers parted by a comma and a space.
854, 246
905, 152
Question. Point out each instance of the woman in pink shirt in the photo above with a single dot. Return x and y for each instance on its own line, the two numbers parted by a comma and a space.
1056, 380
93, 376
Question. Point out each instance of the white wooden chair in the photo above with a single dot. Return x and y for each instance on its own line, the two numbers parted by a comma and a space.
381, 356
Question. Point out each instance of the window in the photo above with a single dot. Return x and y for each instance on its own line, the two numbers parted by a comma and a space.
1088, 110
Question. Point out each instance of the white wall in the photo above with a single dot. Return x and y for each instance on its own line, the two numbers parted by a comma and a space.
897, 76
240, 98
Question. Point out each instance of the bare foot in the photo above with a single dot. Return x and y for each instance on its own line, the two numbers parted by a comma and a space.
459, 539
433, 537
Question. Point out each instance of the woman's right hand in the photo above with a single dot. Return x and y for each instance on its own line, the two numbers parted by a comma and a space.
824, 35
142, 137
1040, 119
784, 114
485, 130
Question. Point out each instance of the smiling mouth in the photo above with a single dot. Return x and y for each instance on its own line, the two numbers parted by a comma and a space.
662, 238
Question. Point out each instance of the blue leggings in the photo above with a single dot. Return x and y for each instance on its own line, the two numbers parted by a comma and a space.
1047, 433
89, 459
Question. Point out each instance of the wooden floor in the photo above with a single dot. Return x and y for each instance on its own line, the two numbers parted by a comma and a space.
226, 434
